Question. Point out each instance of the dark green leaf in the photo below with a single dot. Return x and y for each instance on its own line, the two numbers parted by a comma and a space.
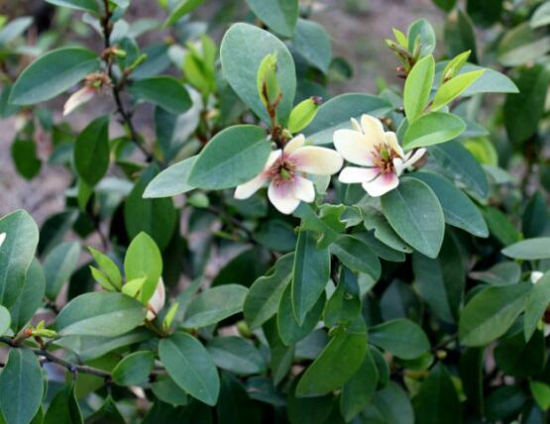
134, 369
530, 249
91, 151
164, 91
401, 337
171, 181
59, 264
64, 408
236, 355
313, 43
24, 156
536, 305
279, 15
84, 5
181, 9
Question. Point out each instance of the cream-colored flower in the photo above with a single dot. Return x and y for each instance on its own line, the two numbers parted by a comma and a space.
156, 303
2, 238
286, 171
377, 152
78, 98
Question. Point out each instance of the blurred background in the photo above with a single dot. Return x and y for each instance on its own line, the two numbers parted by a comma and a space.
357, 28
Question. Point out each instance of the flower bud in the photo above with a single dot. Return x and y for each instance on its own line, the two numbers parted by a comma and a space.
156, 303
268, 86
302, 115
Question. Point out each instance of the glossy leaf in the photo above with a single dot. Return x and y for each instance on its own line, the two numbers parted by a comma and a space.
134, 369
433, 128
164, 91
356, 255
236, 355
58, 267
418, 87
279, 15
530, 249
401, 337
536, 304
312, 42
143, 260
91, 151
171, 181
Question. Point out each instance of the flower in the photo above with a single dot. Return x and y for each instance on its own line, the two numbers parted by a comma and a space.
2, 238
286, 171
156, 303
78, 98
379, 154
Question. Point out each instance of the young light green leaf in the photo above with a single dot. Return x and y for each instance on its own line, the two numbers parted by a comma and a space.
302, 114
433, 128
418, 87
453, 66
181, 9
143, 260
453, 88
107, 265
134, 288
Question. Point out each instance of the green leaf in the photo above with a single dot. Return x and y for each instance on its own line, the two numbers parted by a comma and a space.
14, 29
84, 5
401, 337
108, 266
471, 368
541, 393
376, 221
100, 314
279, 15
536, 305
336, 113
337, 363
458, 209
344, 304
214, 305
491, 313
16, 254
143, 260
523, 111
31, 297
422, 31
107, 414
453, 88
155, 217
166, 390
25, 158
446, 5
181, 9
312, 42
234, 156
460, 166
391, 405
530, 249
415, 214
541, 17
310, 274
5, 320
164, 91
190, 366
262, 300
459, 34
52, 74
134, 369
171, 181
360, 388
242, 50
518, 358
438, 402
64, 408
91, 151
356, 255
490, 81
236, 355
522, 45
309, 410
418, 87
433, 128
21, 386
59, 265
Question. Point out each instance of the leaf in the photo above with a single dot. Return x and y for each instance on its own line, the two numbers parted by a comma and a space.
541, 17
52, 74
181, 9
390, 405
376, 221
418, 87
523, 111
337, 363
459, 34
310, 274
531, 249
490, 81
31, 297
344, 304
25, 158
21, 386
520, 358
356, 255
242, 50
312, 42
458, 209
155, 217
437, 401
190, 366
100, 314
107, 414
5, 320
214, 305
166, 390
522, 45
64, 408
262, 300
236, 355
536, 305
143, 260
335, 114
16, 254
422, 31
415, 214
59, 264
433, 128
164, 91
541, 393
234, 156
491, 313
171, 181
84, 5
91, 151
453, 88
14, 29
134, 369
460, 166
108, 266
279, 15
401, 337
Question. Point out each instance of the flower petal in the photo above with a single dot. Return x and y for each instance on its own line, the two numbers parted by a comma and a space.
356, 125
391, 141
416, 156
303, 189
373, 129
244, 191
317, 160
282, 197
2, 238
353, 146
156, 303
273, 156
77, 99
382, 184
352, 174
295, 144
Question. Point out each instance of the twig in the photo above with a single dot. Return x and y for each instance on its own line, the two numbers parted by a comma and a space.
445, 342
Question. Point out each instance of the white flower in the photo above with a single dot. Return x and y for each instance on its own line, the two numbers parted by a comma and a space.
156, 303
2, 238
286, 172
379, 154
536, 276
78, 98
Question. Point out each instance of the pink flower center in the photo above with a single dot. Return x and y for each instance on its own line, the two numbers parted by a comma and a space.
283, 170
